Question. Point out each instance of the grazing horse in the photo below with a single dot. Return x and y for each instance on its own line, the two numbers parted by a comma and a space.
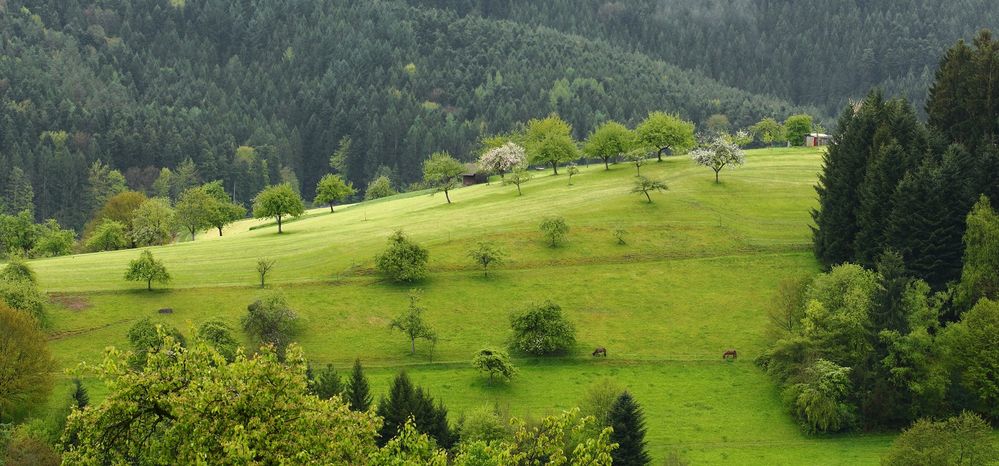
730, 352
600, 350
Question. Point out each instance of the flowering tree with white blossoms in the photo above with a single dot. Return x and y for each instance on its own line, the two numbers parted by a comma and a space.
502, 159
719, 154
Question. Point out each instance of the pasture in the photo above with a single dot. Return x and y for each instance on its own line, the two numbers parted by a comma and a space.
694, 278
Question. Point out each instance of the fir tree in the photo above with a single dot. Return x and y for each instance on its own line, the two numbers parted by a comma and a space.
628, 422
357, 393
18, 194
326, 383
407, 401
80, 397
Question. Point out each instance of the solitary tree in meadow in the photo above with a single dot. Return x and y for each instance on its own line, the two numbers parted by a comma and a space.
549, 142
278, 201
718, 155
147, 269
662, 132
332, 188
494, 362
270, 321
220, 211
554, 230
485, 254
637, 158
645, 185
503, 159
572, 170
796, 127
542, 330
411, 322
608, 141
628, 422
403, 261
263, 267
519, 176
443, 173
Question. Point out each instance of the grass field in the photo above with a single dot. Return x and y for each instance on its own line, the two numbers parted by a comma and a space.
695, 278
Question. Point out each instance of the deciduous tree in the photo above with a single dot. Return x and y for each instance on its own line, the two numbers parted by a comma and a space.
494, 362
661, 132
412, 324
644, 185
278, 201
443, 173
542, 330
147, 269
554, 230
404, 261
269, 321
332, 188
503, 159
718, 155
610, 140
485, 254
25, 363
548, 141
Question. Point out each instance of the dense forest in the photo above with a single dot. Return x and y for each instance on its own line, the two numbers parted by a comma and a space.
254, 93
816, 52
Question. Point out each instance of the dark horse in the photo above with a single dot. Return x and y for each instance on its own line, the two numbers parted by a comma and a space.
600, 350
730, 352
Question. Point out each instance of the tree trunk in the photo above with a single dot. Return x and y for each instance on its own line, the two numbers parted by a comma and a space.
518, 190
648, 197
716, 176
555, 167
149, 284
412, 342
607, 164
220, 231
639, 169
660, 153
447, 196
262, 280
331, 207
192, 233
279, 223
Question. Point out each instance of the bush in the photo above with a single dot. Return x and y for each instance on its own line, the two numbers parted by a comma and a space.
17, 270
53, 240
269, 321
494, 362
542, 330
27, 449
960, 440
25, 364
379, 187
24, 296
148, 337
483, 424
403, 261
218, 335
554, 230
108, 236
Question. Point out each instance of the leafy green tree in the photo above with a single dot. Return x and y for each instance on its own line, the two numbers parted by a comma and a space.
628, 422
542, 330
484, 423
963, 440
410, 446
644, 185
147, 269
980, 272
153, 223
18, 270
278, 201
218, 334
608, 141
494, 362
717, 124
554, 230
26, 363
120, 208
405, 402
970, 346
664, 132
572, 170
146, 337
443, 173
769, 131
637, 158
403, 261
819, 400
24, 296
519, 176
332, 188
560, 439
411, 323
598, 400
264, 267
269, 321
180, 409
796, 127
485, 254
110, 235
27, 447
219, 210
53, 240
18, 233
378, 188
326, 383
192, 210
548, 141
357, 393
718, 155
103, 182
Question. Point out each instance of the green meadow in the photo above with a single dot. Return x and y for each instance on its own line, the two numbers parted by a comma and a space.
695, 278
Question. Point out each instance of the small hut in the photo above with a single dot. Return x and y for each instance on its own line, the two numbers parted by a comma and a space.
473, 175
817, 139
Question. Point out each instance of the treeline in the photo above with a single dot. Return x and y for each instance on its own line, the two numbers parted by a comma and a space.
814, 52
262, 92
904, 324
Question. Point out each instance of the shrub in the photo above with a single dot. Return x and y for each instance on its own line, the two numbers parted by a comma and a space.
17, 270
218, 335
494, 362
483, 424
379, 187
542, 330
108, 236
403, 261
24, 296
269, 321
326, 383
554, 230
53, 240
25, 364
960, 440
147, 337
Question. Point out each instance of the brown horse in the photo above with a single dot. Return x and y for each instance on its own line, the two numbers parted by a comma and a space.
730, 352
600, 350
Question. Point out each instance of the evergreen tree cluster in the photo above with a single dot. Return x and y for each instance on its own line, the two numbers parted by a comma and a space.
255, 93
891, 182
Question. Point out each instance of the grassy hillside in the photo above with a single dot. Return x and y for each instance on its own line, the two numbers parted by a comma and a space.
694, 279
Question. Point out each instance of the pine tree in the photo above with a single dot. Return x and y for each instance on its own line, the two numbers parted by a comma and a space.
326, 383
407, 401
80, 397
18, 194
628, 422
357, 392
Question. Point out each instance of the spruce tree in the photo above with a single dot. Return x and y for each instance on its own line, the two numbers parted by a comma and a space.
358, 393
407, 401
80, 396
326, 383
628, 422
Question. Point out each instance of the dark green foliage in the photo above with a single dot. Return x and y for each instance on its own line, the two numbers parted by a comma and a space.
18, 233
796, 127
80, 397
219, 335
326, 383
628, 422
964, 440
357, 393
403, 261
963, 102
542, 330
17, 270
147, 337
269, 321
405, 401
980, 273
